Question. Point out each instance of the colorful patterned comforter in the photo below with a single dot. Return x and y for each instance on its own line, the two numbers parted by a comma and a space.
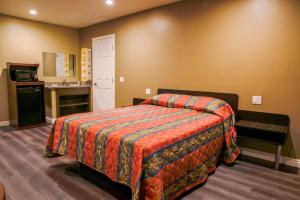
159, 149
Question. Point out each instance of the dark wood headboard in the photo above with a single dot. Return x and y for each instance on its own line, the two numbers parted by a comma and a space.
231, 99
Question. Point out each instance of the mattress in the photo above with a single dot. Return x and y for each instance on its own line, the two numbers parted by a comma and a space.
159, 149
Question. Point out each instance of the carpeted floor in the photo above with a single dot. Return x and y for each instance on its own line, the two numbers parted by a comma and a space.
27, 175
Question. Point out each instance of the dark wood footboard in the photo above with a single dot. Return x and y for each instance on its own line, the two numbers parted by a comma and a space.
117, 190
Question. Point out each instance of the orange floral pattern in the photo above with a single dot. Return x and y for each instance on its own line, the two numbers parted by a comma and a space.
160, 149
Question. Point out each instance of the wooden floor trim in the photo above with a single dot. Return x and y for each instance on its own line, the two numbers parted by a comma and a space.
4, 123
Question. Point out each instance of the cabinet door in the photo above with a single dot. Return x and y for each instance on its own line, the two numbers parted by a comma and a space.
30, 106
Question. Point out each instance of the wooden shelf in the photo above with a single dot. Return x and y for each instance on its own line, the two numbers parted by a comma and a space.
66, 101
262, 126
73, 101
29, 83
74, 104
267, 127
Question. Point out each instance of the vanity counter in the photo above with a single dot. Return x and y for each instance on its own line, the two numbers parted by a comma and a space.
64, 100
66, 86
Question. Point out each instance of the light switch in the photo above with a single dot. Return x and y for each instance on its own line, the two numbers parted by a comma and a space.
148, 91
122, 79
256, 100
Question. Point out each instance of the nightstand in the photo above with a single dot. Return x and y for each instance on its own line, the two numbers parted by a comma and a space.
137, 101
266, 127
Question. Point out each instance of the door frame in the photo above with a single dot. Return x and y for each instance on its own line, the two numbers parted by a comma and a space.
114, 63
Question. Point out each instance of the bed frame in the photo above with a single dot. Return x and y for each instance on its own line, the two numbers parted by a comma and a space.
121, 191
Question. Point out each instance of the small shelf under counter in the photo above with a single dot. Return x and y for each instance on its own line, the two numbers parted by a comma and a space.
74, 104
67, 100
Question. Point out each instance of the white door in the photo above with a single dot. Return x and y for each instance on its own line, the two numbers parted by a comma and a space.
103, 67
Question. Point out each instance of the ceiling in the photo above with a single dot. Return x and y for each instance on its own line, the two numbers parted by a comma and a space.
76, 13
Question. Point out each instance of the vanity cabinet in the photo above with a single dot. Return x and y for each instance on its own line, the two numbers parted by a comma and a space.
62, 101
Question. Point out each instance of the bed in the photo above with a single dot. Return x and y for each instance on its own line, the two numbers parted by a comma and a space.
161, 148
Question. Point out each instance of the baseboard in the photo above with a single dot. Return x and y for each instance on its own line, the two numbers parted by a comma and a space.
293, 162
50, 120
4, 123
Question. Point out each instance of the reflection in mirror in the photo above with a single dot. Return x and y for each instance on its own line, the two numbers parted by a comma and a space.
59, 64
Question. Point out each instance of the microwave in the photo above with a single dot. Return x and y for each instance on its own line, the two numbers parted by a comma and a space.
24, 75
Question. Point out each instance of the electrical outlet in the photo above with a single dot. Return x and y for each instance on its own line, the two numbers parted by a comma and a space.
256, 100
122, 79
148, 91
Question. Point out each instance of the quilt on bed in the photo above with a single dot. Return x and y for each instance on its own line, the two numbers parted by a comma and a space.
159, 149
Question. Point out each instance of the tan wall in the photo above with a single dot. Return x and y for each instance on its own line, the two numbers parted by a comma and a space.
24, 41
245, 47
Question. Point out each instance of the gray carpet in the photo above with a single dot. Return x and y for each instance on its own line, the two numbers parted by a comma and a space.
26, 174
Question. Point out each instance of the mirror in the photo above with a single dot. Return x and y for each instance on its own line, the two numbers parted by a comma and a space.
59, 64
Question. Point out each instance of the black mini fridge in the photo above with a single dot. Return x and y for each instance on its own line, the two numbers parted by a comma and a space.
30, 105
